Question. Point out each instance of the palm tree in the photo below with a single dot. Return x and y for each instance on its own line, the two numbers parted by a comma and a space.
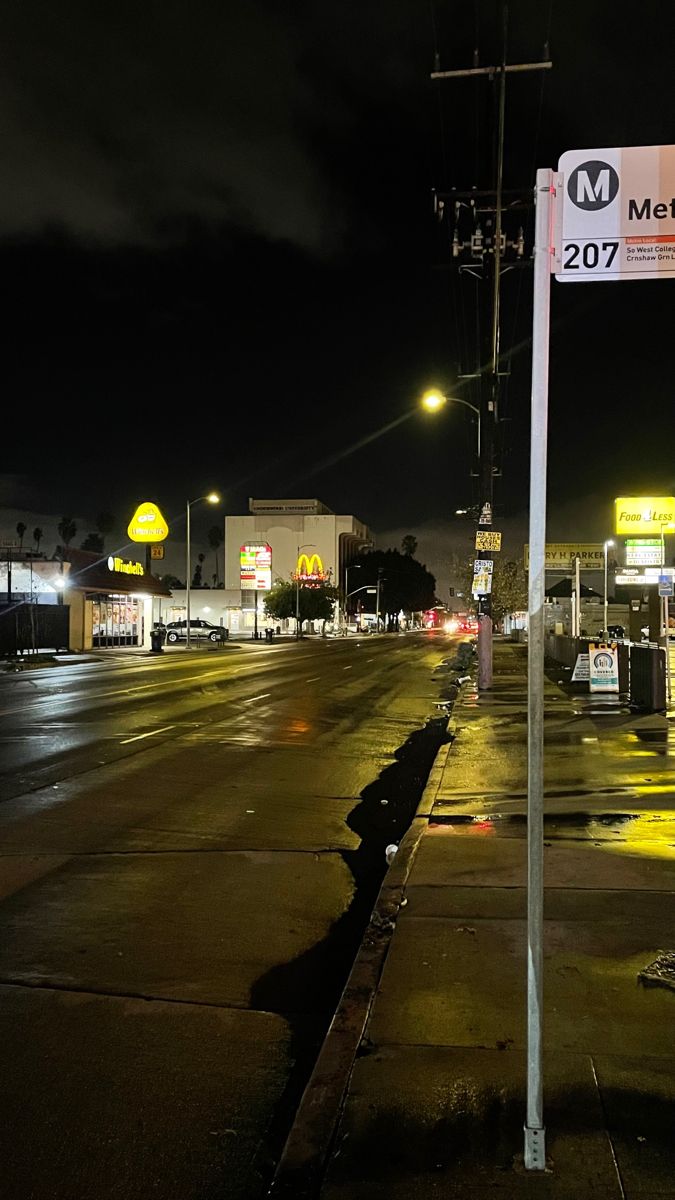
215, 536
105, 521
37, 538
21, 529
67, 530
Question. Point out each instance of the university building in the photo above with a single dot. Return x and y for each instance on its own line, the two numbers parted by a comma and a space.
276, 539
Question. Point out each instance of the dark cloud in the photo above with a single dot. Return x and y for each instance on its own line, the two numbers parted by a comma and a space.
119, 121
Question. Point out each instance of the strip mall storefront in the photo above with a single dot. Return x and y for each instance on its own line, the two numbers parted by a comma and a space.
111, 601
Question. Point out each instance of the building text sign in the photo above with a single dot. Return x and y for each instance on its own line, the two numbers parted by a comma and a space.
255, 567
561, 556
616, 214
147, 524
640, 515
643, 552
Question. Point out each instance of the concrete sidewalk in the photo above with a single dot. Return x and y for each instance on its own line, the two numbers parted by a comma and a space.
435, 1099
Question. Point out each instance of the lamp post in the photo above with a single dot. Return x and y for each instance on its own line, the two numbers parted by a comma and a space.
433, 401
380, 572
350, 567
211, 498
305, 546
605, 547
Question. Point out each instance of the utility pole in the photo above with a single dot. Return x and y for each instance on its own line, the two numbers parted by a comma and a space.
486, 254
380, 572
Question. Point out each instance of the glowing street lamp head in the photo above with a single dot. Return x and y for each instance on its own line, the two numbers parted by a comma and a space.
213, 498
433, 400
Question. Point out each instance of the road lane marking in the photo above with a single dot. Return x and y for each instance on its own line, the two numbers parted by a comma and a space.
347, 668
263, 696
370, 660
314, 679
152, 733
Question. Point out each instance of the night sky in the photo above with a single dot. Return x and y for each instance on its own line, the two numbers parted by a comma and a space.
221, 266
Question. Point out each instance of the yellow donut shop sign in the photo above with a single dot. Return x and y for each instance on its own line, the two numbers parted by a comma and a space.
147, 524
644, 514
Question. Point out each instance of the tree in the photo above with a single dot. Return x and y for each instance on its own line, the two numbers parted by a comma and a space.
21, 529
409, 545
197, 577
93, 543
37, 538
105, 522
316, 602
509, 586
215, 536
67, 530
405, 583
173, 582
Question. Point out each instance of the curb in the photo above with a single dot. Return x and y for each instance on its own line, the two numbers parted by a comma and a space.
299, 1174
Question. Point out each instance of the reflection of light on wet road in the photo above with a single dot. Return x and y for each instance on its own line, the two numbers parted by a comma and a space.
262, 696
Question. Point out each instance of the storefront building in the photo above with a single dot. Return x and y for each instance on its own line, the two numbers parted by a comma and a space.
111, 601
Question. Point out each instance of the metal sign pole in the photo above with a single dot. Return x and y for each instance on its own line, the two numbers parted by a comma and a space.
535, 1149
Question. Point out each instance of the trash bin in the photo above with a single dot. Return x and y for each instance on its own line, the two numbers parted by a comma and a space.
269, 634
157, 637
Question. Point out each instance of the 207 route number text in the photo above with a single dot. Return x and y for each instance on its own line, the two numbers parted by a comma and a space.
589, 256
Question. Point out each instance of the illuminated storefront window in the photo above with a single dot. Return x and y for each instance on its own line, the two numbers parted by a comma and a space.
116, 621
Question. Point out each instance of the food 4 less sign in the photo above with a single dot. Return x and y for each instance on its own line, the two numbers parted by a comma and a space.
644, 514
617, 216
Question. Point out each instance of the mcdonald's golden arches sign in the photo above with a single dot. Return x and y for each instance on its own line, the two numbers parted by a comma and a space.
309, 569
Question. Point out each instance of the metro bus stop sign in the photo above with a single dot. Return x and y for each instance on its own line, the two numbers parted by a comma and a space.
603, 215
616, 214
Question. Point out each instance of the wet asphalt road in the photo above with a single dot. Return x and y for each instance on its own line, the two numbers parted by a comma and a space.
177, 881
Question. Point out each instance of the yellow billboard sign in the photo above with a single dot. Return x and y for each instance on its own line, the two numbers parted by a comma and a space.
147, 524
562, 556
644, 514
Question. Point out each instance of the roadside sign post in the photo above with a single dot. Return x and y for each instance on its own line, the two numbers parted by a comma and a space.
605, 215
535, 1146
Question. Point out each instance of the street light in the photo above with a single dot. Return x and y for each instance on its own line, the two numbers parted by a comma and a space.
306, 546
350, 567
606, 546
211, 498
434, 400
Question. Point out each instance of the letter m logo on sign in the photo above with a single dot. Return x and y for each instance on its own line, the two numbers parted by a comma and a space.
593, 185
589, 191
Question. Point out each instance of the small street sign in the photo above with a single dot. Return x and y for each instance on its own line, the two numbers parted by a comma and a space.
483, 566
488, 539
156, 551
485, 514
665, 585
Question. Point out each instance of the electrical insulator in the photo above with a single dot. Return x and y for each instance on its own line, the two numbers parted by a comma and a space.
520, 243
477, 242
455, 245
